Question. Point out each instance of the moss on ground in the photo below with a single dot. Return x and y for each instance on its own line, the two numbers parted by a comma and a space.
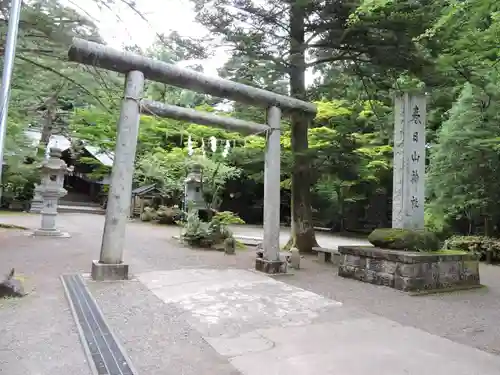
446, 252
16, 213
12, 226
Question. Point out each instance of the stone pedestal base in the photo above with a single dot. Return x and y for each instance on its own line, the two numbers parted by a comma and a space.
109, 272
269, 266
50, 233
413, 272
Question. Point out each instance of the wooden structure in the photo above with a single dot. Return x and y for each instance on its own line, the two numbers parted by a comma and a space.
141, 195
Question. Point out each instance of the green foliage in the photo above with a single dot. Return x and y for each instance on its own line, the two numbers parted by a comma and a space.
162, 158
480, 245
200, 234
436, 222
45, 87
148, 214
18, 175
169, 215
464, 174
196, 233
404, 239
168, 169
95, 127
12, 226
466, 33
228, 218
163, 215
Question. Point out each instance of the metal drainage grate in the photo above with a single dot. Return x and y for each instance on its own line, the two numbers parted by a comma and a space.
97, 339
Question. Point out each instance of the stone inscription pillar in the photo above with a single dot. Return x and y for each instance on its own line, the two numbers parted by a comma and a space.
409, 162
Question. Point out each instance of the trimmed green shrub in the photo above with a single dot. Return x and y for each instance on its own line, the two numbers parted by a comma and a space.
404, 239
197, 233
436, 223
228, 218
201, 234
168, 215
475, 244
148, 214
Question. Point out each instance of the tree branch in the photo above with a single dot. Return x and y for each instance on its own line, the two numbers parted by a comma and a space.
266, 16
342, 56
48, 68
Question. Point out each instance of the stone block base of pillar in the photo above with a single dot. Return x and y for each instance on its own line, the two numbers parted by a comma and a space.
270, 266
56, 233
109, 272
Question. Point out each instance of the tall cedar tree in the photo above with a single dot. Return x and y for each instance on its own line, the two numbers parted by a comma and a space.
290, 36
464, 172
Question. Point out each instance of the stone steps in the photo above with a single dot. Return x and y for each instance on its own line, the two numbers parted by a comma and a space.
81, 209
64, 202
248, 240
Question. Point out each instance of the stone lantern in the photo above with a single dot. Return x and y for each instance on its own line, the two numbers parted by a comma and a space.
193, 188
51, 189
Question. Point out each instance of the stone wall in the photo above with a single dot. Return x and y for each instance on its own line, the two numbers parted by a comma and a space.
408, 271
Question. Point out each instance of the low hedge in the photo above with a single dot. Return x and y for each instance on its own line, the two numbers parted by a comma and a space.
475, 244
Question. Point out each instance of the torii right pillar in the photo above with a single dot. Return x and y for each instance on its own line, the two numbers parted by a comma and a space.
409, 161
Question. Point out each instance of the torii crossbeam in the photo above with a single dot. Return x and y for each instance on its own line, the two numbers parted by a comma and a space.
137, 68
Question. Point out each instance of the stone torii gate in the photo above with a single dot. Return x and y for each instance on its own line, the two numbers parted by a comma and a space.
110, 265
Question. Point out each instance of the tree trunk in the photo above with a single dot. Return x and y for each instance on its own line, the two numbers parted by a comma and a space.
487, 226
303, 236
48, 119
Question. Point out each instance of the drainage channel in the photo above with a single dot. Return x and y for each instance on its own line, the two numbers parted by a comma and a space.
99, 343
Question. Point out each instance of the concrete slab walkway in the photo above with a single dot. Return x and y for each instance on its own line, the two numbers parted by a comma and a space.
264, 326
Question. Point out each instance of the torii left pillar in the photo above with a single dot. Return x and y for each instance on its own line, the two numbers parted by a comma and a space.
110, 265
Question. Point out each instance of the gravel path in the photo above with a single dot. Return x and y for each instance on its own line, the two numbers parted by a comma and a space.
468, 317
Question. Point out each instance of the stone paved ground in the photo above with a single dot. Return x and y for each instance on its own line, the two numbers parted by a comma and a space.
38, 335
263, 325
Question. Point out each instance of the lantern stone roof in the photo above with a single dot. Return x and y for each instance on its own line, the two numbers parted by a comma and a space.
54, 163
193, 178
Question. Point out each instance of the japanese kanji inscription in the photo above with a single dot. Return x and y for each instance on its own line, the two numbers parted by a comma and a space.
409, 162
